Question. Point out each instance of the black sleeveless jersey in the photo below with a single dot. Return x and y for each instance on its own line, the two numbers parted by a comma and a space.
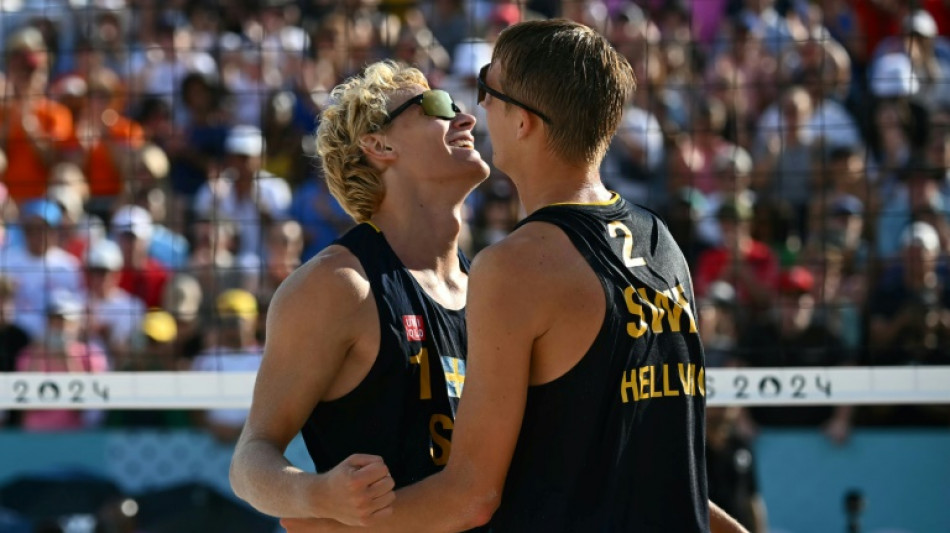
404, 410
616, 444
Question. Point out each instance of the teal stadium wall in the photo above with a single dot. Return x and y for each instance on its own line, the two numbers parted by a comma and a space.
903, 474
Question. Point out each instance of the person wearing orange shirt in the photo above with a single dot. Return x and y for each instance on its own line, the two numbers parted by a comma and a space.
32, 127
103, 140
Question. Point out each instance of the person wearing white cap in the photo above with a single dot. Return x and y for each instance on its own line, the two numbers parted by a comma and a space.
142, 275
114, 314
245, 193
910, 311
925, 52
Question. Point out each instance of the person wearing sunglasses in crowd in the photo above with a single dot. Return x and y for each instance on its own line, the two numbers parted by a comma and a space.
365, 344
585, 395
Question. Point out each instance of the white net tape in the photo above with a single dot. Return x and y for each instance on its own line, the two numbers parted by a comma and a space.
722, 386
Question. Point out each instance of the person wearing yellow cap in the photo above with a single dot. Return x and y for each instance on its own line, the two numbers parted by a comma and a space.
365, 345
232, 347
153, 346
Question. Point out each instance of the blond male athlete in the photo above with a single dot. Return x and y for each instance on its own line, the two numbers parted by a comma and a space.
365, 349
584, 402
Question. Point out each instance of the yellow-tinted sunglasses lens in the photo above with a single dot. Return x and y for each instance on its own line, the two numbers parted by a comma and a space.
437, 103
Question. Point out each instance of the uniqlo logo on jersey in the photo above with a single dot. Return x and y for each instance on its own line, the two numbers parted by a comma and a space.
415, 330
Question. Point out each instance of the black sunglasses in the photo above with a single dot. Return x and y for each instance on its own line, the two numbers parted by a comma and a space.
434, 103
484, 88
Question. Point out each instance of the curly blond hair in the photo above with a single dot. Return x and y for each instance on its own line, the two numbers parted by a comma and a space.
359, 106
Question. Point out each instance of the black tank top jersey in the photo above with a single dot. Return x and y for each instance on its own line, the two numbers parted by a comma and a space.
616, 444
404, 410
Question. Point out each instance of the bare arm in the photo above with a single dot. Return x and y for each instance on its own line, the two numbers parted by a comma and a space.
312, 326
720, 522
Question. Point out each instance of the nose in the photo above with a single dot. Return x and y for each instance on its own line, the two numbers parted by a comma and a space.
464, 121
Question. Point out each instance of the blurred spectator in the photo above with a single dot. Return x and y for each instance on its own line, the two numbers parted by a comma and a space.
635, 155
183, 299
40, 266
69, 191
147, 187
114, 314
842, 173
841, 228
910, 310
213, 262
233, 347
916, 197
284, 246
12, 337
244, 193
910, 322
320, 215
823, 69
196, 148
732, 175
937, 149
893, 126
166, 246
774, 223
142, 276
35, 126
61, 351
746, 61
449, 23
496, 217
927, 52
719, 324
284, 153
791, 337
745, 263
684, 212
105, 140
783, 156
148, 169
840, 295
168, 61
705, 144
730, 465
152, 347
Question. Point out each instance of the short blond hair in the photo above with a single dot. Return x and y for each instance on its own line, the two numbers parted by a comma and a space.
359, 106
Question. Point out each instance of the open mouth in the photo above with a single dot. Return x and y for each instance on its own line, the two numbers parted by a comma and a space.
462, 143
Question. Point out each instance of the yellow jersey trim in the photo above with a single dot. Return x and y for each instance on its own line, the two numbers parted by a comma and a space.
374, 226
614, 198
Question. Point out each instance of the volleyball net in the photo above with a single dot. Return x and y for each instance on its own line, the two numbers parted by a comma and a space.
785, 386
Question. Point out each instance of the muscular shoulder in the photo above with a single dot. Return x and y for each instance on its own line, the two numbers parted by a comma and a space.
536, 251
535, 265
332, 283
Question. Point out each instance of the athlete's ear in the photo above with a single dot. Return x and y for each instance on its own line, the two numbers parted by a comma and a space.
376, 148
526, 124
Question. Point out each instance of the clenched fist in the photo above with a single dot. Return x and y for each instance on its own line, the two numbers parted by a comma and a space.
356, 491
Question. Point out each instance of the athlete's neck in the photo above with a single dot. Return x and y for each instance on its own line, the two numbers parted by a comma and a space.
424, 237
560, 185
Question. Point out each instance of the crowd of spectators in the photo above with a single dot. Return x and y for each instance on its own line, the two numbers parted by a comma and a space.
157, 181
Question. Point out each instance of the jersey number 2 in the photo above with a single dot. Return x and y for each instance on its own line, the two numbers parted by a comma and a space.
616, 229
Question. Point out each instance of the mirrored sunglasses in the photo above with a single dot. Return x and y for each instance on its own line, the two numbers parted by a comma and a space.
434, 102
